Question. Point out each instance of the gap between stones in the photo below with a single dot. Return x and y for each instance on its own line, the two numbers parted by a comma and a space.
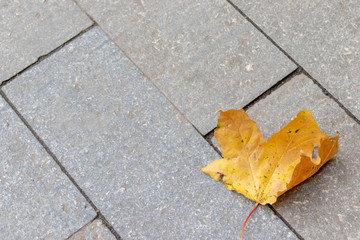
63, 169
285, 222
45, 56
80, 229
263, 95
84, 11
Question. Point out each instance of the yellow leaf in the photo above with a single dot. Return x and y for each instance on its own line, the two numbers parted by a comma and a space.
260, 170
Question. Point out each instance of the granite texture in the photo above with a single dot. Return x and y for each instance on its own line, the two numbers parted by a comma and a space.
94, 230
213, 60
322, 36
134, 155
37, 201
30, 29
327, 206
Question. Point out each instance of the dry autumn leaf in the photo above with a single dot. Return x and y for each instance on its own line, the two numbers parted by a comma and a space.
260, 170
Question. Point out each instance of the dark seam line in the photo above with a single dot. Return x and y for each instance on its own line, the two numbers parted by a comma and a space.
81, 228
273, 88
262, 96
260, 30
326, 92
63, 169
208, 138
45, 56
285, 222
84, 11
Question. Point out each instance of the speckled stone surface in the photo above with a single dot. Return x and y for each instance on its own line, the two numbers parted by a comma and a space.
202, 55
322, 36
327, 206
37, 201
30, 29
93, 231
134, 155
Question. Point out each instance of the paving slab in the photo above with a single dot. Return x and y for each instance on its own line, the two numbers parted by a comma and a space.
134, 155
322, 36
94, 230
327, 206
37, 200
202, 55
30, 29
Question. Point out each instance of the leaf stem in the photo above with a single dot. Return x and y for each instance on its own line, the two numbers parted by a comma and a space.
242, 231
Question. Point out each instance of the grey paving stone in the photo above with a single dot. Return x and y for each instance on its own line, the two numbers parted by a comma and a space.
322, 36
202, 55
30, 29
136, 157
93, 231
327, 206
37, 201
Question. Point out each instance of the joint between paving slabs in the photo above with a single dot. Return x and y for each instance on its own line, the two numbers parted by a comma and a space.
263, 95
325, 91
45, 56
103, 220
80, 229
328, 94
63, 169
83, 10
285, 222
260, 30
